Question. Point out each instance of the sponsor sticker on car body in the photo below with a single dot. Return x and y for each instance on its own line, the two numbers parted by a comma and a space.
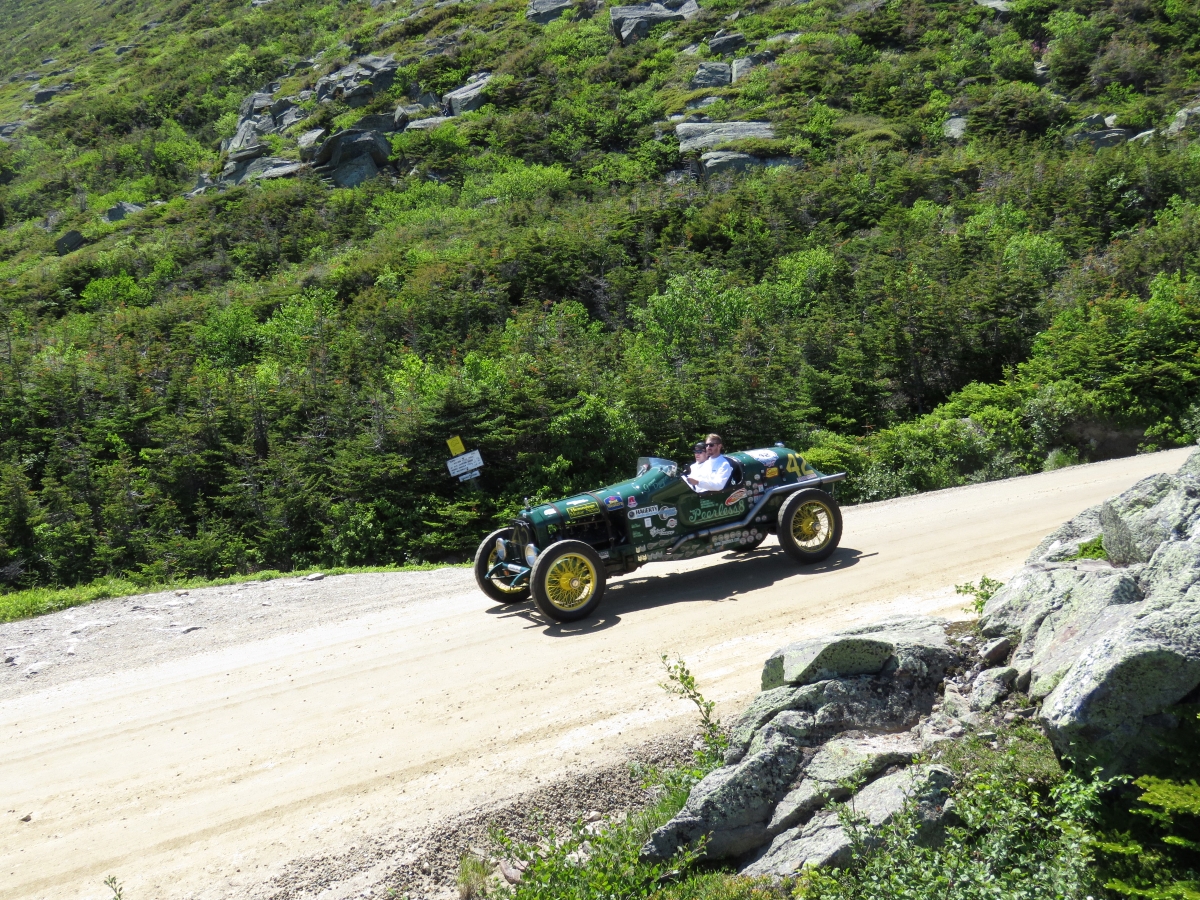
737, 495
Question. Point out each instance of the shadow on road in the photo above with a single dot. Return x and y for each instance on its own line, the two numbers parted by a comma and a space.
740, 573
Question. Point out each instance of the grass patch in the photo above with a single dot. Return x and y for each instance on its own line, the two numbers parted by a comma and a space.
39, 601
1093, 549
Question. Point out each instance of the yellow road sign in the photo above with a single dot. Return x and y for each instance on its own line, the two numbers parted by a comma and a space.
456, 446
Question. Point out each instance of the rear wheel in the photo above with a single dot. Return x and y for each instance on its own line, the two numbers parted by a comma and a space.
810, 525
485, 558
568, 580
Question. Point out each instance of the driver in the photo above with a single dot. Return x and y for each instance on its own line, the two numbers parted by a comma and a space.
714, 472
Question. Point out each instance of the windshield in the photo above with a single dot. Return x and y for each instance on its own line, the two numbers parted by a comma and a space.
646, 463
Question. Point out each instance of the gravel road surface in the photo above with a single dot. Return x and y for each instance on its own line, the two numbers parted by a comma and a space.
349, 737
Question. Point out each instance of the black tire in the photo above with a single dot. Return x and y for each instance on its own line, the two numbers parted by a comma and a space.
568, 580
485, 558
810, 525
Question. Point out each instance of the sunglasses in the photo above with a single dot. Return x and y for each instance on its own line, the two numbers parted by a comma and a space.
712, 445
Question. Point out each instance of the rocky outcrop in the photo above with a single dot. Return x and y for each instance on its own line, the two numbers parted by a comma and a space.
46, 94
632, 23
428, 124
351, 157
467, 98
357, 83
546, 11
741, 67
824, 841
1104, 137
701, 135
716, 161
1111, 646
69, 242
1187, 119
120, 210
723, 43
834, 709
710, 74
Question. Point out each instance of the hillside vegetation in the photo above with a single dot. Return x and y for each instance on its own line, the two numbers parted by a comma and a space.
263, 376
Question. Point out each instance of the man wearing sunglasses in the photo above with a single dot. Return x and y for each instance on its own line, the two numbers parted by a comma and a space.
714, 472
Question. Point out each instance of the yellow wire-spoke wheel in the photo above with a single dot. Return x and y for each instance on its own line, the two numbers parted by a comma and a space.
809, 525
812, 526
570, 581
501, 585
485, 559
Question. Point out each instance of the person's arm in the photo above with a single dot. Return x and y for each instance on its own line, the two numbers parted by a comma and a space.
714, 476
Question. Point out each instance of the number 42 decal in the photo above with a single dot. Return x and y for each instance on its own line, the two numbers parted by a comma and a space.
793, 465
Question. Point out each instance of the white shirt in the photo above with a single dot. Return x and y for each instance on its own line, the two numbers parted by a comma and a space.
711, 474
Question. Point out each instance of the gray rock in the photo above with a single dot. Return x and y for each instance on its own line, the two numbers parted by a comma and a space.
1142, 136
1111, 706
262, 168
726, 43
351, 144
784, 37
701, 135
357, 83
382, 123
991, 686
1094, 122
1172, 575
245, 154
710, 74
1058, 610
702, 103
727, 161
998, 5
45, 95
546, 11
69, 242
767, 705
354, 172
1187, 119
1106, 137
1156, 509
731, 805
632, 23
8, 129
289, 117
255, 105
845, 759
468, 97
250, 132
823, 841
1064, 541
915, 645
955, 127
996, 651
428, 124
741, 67
309, 143
121, 210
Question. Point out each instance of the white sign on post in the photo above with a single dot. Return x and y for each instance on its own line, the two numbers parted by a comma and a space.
469, 476
464, 463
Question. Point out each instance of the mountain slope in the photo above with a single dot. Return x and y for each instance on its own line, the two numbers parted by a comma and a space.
937, 262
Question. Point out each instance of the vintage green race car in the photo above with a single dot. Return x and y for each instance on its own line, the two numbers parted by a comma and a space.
564, 552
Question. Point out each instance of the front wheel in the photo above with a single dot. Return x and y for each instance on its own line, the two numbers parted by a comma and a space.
810, 525
485, 558
568, 580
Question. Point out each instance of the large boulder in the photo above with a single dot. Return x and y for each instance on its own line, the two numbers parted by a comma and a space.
357, 83
709, 75
824, 841
546, 11
1058, 610
120, 210
702, 135
632, 23
1187, 119
347, 145
69, 242
842, 760
732, 805
428, 124
912, 645
1113, 704
468, 97
1156, 509
1063, 542
726, 43
1104, 137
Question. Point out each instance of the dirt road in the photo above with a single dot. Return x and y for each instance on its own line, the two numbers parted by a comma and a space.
202, 745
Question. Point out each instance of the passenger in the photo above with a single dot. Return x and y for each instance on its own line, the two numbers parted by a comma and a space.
714, 472
701, 453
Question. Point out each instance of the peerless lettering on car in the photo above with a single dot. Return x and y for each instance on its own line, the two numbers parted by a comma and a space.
563, 553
